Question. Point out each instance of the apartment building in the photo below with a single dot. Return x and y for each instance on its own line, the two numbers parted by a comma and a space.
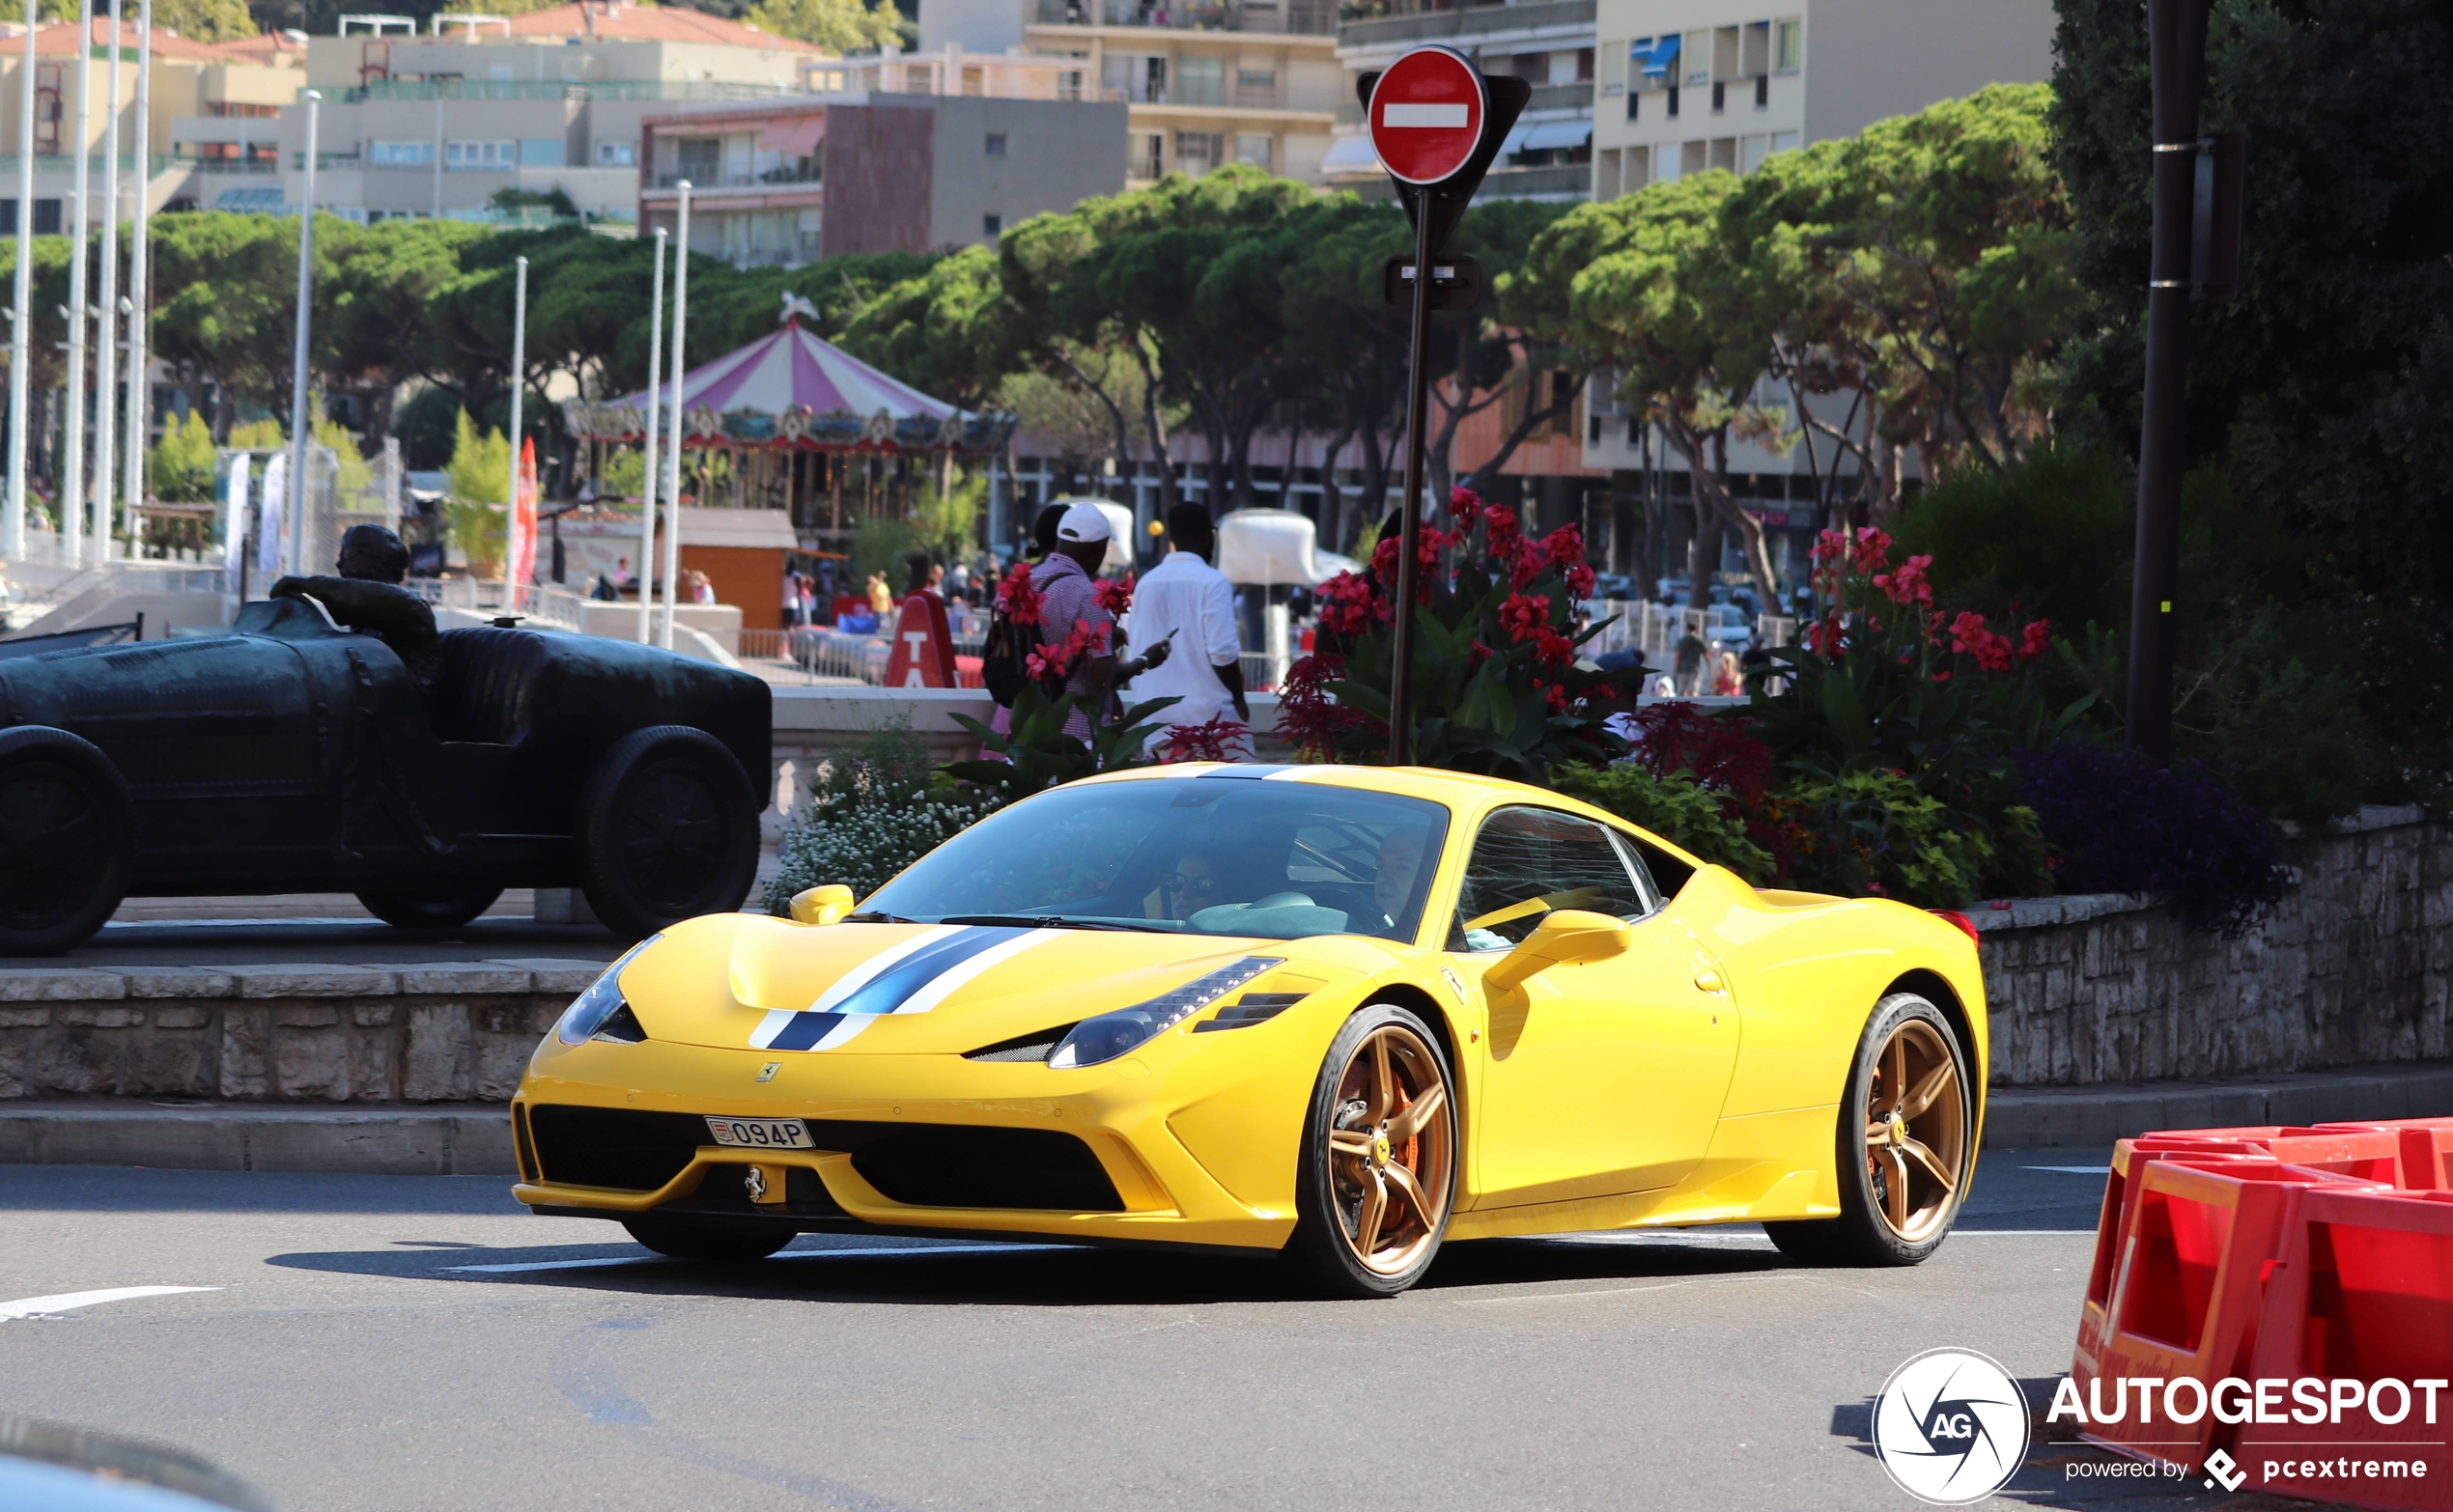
1690, 85
859, 169
1247, 81
1550, 43
438, 123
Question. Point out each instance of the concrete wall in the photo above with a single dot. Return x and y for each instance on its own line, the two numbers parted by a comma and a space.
1869, 59
878, 175
1057, 153
2352, 969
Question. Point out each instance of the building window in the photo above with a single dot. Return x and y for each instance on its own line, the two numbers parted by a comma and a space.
1750, 152
1784, 141
1136, 80
1788, 46
46, 218
1673, 103
991, 226
699, 159
1614, 68
1720, 95
1693, 157
1150, 162
480, 154
400, 154
1200, 81
996, 144
617, 155
1261, 152
1197, 152
1758, 52
1725, 153
1256, 89
541, 152
1634, 100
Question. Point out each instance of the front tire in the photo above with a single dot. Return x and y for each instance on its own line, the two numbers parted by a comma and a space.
1904, 1143
684, 1239
430, 909
1379, 1158
668, 830
67, 840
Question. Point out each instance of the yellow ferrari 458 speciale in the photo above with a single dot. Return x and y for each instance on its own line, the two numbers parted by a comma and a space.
1342, 1011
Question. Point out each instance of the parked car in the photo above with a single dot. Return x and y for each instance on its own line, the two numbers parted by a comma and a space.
294, 755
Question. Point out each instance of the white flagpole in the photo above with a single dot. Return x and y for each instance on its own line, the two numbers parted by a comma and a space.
673, 458
71, 497
647, 488
301, 423
139, 392
106, 312
511, 490
22, 310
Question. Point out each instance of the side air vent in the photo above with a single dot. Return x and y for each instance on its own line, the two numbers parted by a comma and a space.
1037, 1045
1249, 1009
623, 1026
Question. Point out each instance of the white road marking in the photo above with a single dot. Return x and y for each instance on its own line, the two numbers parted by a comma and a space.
1623, 1291
66, 1302
2071, 1170
873, 1252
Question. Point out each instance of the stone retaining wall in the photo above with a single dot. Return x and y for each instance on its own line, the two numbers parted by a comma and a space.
2352, 969
442, 1033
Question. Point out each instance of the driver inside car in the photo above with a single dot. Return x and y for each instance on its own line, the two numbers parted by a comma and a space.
368, 596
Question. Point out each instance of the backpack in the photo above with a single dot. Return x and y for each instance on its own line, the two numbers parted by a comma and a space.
1005, 657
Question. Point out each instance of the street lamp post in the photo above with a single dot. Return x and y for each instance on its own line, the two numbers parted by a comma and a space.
647, 484
673, 458
106, 312
139, 272
300, 431
71, 495
21, 308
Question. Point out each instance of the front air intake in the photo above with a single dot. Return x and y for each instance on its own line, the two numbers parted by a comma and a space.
621, 1148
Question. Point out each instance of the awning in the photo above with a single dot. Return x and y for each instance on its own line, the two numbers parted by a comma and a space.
1515, 142
1351, 154
768, 529
793, 136
1555, 134
1660, 57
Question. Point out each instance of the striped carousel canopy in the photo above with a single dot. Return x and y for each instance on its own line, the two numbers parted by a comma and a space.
786, 389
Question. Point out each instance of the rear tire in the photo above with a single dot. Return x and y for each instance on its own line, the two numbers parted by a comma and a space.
430, 909
684, 1239
668, 830
1904, 1143
67, 840
1378, 1178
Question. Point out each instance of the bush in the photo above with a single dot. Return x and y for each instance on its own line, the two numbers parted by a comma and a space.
872, 811
181, 469
1678, 808
1876, 832
2051, 535
2122, 822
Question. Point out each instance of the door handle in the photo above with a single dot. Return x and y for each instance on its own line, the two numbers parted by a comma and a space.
1708, 980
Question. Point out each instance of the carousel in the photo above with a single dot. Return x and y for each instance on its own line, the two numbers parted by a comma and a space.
794, 422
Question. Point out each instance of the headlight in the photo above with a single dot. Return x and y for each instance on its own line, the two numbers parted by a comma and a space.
589, 1010
1112, 1034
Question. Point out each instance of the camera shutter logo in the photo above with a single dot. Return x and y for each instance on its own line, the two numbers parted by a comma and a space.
1950, 1427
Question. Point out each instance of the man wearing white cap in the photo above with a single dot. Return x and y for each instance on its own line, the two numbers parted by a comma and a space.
1069, 599
1185, 602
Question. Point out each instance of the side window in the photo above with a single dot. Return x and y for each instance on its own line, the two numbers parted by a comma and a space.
1528, 861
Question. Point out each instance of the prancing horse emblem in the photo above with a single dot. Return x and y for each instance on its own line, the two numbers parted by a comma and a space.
757, 1183
768, 1074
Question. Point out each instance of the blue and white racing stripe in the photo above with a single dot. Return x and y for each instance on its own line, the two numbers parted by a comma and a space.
913, 976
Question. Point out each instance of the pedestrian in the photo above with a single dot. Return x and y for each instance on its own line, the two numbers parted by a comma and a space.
621, 573
880, 596
1689, 667
1727, 681
1069, 602
791, 599
702, 588
1186, 603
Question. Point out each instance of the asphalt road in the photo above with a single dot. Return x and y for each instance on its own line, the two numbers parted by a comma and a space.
424, 1344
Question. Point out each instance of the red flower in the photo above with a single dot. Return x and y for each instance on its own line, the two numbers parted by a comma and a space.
1465, 507
1115, 595
1349, 606
2033, 640
1554, 648
1502, 525
1525, 615
1580, 581
1870, 551
1564, 546
1906, 583
1018, 598
1219, 740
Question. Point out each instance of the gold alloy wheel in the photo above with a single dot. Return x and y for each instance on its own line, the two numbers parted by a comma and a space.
1915, 1131
1391, 1149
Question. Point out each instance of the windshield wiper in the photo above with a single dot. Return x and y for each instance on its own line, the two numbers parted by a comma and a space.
1046, 921
877, 918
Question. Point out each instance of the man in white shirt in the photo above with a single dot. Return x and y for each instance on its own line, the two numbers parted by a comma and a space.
1187, 600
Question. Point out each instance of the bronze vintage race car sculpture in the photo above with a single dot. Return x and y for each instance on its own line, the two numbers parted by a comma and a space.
297, 754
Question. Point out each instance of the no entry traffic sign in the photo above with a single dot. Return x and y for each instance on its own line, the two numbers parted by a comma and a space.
1426, 115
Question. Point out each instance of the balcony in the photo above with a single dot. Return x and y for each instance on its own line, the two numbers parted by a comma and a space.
559, 89
1393, 27
1561, 182
1298, 18
806, 171
1577, 95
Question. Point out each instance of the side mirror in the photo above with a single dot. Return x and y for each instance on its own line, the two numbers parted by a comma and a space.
825, 904
1565, 937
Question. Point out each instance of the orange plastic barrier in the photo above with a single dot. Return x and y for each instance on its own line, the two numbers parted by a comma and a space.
2186, 1290
2361, 1295
2427, 1150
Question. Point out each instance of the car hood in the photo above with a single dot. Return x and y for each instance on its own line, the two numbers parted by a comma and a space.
747, 981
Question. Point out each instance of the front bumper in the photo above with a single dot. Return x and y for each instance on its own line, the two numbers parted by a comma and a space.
925, 1144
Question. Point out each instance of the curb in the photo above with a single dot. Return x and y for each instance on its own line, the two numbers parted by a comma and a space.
2025, 1118
446, 1139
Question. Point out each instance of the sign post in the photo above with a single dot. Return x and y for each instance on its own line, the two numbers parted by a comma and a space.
1436, 121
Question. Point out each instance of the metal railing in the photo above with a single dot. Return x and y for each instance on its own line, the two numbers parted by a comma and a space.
1298, 18
1465, 21
64, 163
561, 88
807, 171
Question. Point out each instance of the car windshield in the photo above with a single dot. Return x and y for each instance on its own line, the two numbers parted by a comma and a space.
1202, 856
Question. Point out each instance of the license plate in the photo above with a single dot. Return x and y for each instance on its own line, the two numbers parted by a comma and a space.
761, 1134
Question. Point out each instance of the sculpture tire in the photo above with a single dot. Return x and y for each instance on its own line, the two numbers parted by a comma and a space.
668, 830
67, 840
434, 909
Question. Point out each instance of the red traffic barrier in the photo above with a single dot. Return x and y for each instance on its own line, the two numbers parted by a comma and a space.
2357, 1344
2130, 1160
2427, 1150
2370, 1152
2186, 1290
